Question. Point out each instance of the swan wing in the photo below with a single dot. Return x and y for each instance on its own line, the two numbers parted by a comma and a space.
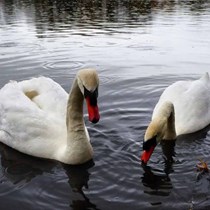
25, 126
46, 94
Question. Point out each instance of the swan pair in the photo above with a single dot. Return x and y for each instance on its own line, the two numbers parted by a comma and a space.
39, 118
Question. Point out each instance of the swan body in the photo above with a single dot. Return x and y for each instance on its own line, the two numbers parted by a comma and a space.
38, 117
183, 107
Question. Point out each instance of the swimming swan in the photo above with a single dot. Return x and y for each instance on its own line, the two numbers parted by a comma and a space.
38, 118
184, 107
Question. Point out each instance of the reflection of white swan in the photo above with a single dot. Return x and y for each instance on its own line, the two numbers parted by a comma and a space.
184, 107
37, 117
20, 169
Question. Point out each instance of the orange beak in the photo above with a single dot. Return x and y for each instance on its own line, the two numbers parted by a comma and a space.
145, 156
148, 147
93, 111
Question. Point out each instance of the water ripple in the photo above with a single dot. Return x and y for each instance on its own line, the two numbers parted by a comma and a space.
130, 44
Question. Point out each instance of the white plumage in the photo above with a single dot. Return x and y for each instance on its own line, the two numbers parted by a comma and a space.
191, 100
33, 118
183, 107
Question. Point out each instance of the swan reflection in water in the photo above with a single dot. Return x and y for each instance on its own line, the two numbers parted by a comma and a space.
78, 178
20, 169
159, 181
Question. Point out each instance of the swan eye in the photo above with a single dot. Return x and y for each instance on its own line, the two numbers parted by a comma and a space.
91, 95
149, 143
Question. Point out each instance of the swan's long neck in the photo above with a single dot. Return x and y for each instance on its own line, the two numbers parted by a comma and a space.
165, 119
74, 115
170, 132
78, 148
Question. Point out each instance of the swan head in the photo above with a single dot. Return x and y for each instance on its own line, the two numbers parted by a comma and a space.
161, 127
88, 83
151, 139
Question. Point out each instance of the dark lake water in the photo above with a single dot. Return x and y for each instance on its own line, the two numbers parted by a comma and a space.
138, 48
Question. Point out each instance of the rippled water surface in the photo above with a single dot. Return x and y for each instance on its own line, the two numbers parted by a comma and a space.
138, 48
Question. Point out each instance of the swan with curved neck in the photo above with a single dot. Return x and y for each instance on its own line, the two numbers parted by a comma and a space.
184, 107
39, 118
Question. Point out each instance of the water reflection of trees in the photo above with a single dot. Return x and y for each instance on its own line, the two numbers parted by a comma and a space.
53, 15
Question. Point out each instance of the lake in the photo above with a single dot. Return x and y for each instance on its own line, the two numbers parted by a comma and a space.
138, 48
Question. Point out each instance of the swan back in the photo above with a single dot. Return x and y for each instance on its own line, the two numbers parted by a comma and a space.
46, 94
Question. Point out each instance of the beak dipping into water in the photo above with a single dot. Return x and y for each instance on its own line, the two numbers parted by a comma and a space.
148, 147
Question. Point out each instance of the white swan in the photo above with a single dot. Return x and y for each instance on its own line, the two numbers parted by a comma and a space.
184, 107
39, 118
